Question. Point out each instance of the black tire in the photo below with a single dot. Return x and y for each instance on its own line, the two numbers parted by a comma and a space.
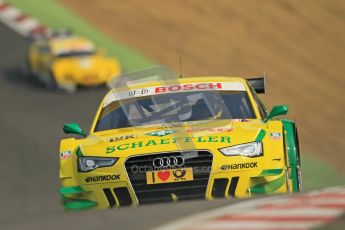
298, 168
52, 85
26, 69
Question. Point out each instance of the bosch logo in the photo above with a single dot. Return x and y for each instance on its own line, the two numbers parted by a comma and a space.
165, 162
138, 92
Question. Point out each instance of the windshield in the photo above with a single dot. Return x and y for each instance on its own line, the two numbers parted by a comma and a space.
76, 53
175, 107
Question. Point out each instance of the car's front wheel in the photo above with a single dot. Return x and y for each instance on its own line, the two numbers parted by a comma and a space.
50, 82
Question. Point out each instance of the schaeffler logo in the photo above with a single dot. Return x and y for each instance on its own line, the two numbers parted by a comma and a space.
102, 178
138, 92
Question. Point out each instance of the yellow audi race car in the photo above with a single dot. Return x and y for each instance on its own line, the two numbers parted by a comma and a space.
170, 140
63, 61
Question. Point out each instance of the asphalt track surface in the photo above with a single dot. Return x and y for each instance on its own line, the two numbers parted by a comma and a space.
31, 120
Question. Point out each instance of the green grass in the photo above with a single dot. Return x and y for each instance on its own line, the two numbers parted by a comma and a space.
316, 174
52, 14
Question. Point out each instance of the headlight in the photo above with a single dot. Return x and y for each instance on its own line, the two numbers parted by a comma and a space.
253, 149
87, 164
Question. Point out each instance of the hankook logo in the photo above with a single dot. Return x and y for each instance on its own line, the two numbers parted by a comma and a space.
102, 178
240, 166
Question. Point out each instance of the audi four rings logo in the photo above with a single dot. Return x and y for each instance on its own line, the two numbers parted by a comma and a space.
138, 92
164, 162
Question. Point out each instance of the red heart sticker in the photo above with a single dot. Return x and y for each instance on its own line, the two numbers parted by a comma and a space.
163, 175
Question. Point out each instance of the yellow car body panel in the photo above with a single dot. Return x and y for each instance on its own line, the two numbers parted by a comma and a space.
229, 176
60, 59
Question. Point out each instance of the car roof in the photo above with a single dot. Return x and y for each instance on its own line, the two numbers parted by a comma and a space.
63, 44
185, 80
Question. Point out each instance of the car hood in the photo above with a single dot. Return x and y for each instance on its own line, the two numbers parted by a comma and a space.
81, 63
77, 68
164, 138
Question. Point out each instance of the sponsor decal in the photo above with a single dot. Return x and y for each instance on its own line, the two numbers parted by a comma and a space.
154, 90
240, 166
91, 179
65, 155
165, 141
119, 138
179, 174
163, 175
275, 135
138, 92
190, 130
169, 176
188, 87
161, 133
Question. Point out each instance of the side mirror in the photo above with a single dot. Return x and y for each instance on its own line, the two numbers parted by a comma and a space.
276, 111
73, 128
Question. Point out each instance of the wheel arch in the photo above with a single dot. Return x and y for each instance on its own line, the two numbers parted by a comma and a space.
292, 150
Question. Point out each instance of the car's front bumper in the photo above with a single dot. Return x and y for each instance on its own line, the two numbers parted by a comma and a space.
237, 184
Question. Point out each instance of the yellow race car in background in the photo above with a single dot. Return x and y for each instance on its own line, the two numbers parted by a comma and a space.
64, 61
168, 140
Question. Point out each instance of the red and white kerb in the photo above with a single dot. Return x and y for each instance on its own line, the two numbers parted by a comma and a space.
18, 21
295, 212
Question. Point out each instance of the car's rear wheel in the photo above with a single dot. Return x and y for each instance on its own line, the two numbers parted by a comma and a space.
51, 81
298, 180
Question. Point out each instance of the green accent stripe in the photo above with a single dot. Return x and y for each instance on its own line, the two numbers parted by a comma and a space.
261, 135
294, 178
268, 187
79, 152
70, 203
289, 128
71, 190
80, 204
271, 172
292, 152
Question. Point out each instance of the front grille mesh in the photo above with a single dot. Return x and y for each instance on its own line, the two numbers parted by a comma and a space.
200, 161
